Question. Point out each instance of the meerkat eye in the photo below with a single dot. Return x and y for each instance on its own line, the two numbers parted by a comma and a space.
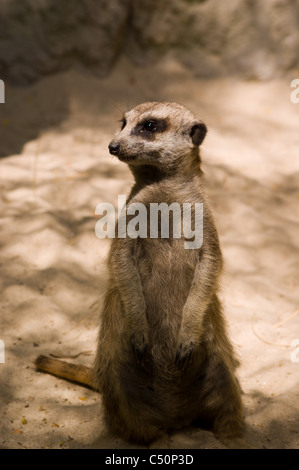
150, 126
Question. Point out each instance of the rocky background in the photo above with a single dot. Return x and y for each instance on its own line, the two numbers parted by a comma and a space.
247, 38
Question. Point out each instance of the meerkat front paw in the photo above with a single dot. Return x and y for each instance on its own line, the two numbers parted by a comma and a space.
139, 345
184, 353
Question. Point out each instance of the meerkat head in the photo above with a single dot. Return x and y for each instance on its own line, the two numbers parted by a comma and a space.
163, 135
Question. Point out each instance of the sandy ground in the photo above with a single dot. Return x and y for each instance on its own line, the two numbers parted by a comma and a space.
55, 170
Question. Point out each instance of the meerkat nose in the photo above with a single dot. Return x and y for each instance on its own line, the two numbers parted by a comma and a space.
114, 148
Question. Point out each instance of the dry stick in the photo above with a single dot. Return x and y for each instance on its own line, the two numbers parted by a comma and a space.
286, 319
65, 370
71, 356
264, 340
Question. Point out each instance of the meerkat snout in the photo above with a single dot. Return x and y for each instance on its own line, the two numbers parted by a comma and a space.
114, 148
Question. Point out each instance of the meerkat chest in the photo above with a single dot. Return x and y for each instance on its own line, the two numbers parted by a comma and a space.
166, 271
164, 264
169, 216
167, 248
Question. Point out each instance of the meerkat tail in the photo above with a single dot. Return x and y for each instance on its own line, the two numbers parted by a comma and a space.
65, 370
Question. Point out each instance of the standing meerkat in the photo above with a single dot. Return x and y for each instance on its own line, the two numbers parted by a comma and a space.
164, 360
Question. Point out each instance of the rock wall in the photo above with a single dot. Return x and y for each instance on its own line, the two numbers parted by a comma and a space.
250, 38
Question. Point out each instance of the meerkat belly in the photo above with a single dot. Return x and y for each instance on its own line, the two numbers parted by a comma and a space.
166, 271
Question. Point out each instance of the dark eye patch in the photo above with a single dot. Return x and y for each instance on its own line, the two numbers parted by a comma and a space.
124, 123
148, 127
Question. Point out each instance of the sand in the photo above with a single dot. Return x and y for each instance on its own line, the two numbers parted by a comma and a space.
55, 170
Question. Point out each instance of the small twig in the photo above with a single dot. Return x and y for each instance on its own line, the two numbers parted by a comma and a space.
262, 339
71, 356
286, 319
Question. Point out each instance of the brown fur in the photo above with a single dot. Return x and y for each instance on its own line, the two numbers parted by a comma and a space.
164, 360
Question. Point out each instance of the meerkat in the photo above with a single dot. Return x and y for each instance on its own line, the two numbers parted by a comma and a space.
164, 359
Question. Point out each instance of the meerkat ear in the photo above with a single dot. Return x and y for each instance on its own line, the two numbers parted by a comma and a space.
198, 132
